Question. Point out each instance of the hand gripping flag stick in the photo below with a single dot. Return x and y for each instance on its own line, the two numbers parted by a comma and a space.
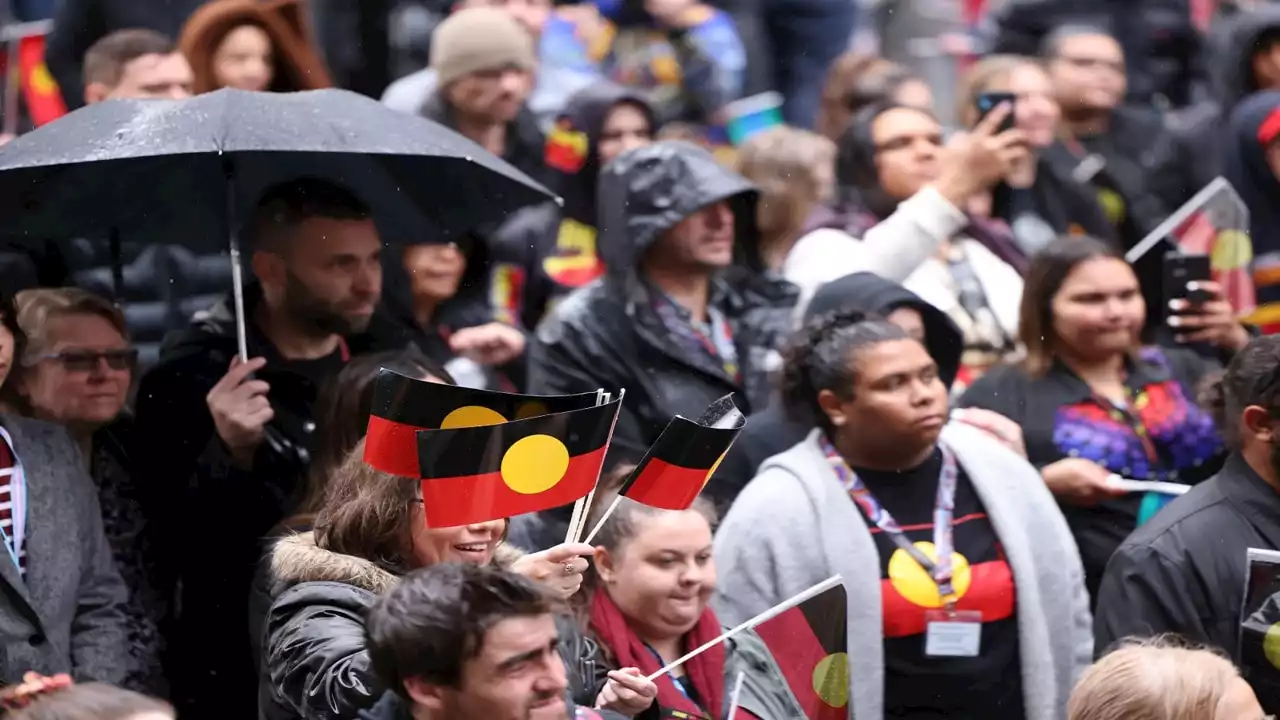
765, 616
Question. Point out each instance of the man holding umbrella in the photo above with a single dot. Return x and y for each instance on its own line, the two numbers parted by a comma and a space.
242, 430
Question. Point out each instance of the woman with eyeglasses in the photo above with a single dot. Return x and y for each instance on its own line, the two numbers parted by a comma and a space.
76, 371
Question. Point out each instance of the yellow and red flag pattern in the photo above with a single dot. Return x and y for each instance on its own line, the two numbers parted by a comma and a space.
40, 91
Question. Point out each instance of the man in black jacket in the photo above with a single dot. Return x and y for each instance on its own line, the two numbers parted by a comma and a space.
464, 642
1184, 571
232, 439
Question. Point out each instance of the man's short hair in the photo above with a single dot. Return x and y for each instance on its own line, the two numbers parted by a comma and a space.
436, 618
285, 206
1051, 45
105, 60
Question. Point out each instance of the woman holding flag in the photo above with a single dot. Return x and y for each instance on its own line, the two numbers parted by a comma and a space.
375, 526
965, 591
647, 604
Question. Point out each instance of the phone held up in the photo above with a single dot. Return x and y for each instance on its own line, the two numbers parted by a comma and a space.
986, 103
1180, 270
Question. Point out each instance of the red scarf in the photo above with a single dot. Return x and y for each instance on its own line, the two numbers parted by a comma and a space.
705, 671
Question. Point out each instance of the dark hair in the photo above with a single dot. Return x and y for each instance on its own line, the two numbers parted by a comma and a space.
91, 701
9, 319
366, 513
435, 619
1052, 43
286, 205
104, 61
878, 85
817, 358
342, 412
1048, 270
1252, 378
857, 175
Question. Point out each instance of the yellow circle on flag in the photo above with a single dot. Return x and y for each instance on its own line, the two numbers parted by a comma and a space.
1232, 250
1271, 645
831, 679
471, 416
914, 583
530, 409
535, 464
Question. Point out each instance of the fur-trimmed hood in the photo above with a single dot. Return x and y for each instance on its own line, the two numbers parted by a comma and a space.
297, 559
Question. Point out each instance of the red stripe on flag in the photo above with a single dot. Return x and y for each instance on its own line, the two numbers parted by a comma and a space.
454, 501
40, 90
663, 485
392, 447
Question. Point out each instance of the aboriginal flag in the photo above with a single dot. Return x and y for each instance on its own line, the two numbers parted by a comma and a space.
685, 457
474, 474
403, 405
810, 645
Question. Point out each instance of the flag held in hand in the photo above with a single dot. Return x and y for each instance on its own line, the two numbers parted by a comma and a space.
685, 457
476, 474
810, 645
403, 405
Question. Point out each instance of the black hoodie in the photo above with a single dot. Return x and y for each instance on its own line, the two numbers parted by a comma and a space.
546, 252
770, 431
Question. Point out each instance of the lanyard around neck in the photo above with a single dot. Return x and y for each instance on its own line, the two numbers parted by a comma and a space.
943, 515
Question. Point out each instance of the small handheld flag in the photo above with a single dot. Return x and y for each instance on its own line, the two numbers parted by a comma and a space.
810, 644
476, 474
403, 405
685, 457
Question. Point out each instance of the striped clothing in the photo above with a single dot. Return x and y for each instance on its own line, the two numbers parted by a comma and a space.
6, 502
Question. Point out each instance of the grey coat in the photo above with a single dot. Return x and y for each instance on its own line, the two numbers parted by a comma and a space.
67, 614
794, 526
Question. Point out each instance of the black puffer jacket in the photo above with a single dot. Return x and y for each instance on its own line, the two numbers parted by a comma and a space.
607, 334
164, 285
314, 663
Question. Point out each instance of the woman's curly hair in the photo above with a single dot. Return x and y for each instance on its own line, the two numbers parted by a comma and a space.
818, 357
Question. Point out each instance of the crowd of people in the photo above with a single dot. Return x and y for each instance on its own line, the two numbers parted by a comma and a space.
954, 379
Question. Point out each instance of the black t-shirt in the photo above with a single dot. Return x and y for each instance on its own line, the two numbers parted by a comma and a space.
917, 686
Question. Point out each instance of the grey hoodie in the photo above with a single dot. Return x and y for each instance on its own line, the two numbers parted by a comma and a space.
794, 526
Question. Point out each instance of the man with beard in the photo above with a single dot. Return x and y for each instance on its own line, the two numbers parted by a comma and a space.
1184, 571
227, 442
464, 642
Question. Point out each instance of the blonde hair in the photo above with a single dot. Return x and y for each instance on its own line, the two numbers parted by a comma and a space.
781, 161
985, 73
36, 308
1154, 679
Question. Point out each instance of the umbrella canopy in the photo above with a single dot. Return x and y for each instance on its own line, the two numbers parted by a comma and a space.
167, 170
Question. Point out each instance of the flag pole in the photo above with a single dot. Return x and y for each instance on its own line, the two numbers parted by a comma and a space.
765, 616
736, 698
595, 530
581, 504
591, 496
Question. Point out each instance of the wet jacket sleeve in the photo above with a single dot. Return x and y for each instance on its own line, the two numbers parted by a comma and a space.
314, 653
563, 361
1144, 593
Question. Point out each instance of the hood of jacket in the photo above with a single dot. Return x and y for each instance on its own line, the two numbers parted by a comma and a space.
297, 559
649, 190
871, 293
574, 142
1247, 169
298, 66
1233, 47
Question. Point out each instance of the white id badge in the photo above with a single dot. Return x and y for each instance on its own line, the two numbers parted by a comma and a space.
952, 634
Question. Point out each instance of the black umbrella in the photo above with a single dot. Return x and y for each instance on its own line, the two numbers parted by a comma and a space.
176, 170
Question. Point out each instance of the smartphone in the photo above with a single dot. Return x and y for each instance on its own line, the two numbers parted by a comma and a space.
1180, 269
988, 102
